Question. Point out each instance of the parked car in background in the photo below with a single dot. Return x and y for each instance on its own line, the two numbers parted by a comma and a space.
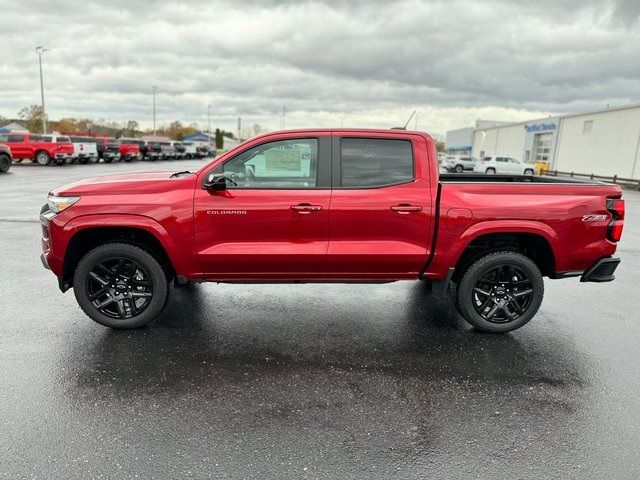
458, 164
190, 150
503, 166
85, 149
129, 150
30, 146
180, 150
5, 158
168, 152
55, 138
108, 149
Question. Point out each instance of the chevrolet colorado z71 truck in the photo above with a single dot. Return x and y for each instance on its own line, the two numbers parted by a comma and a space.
329, 206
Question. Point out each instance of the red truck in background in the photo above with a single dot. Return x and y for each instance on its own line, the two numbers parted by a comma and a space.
129, 151
25, 145
329, 206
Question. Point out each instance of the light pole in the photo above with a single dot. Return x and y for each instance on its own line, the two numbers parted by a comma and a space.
39, 51
154, 91
209, 113
284, 116
342, 121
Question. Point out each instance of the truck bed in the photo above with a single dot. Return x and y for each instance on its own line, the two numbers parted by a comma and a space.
481, 177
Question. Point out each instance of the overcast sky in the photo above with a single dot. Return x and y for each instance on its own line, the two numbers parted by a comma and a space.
368, 62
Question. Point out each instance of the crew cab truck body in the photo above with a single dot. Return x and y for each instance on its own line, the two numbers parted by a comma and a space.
329, 206
34, 147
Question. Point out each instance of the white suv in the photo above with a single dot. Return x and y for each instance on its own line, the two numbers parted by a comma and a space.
503, 166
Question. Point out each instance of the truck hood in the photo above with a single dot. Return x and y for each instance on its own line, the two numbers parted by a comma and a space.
124, 183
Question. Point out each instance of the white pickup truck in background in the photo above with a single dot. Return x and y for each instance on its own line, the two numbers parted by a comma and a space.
85, 149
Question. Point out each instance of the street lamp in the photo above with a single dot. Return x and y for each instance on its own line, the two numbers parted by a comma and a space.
154, 91
39, 51
209, 114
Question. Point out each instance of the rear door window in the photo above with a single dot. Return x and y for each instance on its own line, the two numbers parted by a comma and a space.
375, 162
15, 138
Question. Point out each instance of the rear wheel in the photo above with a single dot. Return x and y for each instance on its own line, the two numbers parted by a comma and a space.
69, 160
43, 158
500, 292
82, 160
5, 163
94, 159
528, 171
491, 171
120, 286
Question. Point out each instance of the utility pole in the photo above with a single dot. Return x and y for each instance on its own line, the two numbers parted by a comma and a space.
39, 51
284, 116
209, 114
342, 121
154, 91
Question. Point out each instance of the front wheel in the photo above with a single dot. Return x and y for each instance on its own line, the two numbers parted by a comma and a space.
500, 292
120, 286
491, 171
528, 171
459, 169
5, 163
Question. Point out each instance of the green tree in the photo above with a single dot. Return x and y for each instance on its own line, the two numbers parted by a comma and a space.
33, 117
219, 140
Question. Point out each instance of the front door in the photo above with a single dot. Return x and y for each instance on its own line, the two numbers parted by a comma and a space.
272, 220
381, 208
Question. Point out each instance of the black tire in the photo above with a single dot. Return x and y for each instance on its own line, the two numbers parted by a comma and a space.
514, 300
490, 171
453, 294
528, 171
459, 169
148, 272
69, 160
5, 163
107, 160
43, 158
83, 160
93, 159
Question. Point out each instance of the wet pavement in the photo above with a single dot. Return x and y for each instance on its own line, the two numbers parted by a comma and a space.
310, 381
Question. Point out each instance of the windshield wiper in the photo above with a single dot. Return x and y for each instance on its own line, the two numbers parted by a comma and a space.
179, 174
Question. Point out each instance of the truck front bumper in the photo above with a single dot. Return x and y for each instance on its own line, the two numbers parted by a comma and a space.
601, 271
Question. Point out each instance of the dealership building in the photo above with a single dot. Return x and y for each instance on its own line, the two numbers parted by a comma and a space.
603, 142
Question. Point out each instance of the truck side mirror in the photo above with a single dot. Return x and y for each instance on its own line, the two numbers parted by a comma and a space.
216, 182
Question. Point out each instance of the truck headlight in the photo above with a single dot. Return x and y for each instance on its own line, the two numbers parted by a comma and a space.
59, 204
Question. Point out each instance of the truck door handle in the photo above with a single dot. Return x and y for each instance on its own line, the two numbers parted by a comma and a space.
305, 208
405, 209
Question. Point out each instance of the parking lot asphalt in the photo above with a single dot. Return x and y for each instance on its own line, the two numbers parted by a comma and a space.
310, 381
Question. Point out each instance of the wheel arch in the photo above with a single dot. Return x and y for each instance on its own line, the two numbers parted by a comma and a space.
536, 240
92, 231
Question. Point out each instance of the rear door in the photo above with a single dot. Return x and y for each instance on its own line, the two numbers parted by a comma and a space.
273, 219
18, 145
380, 217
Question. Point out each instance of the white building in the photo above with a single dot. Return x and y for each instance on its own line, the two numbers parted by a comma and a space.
532, 141
461, 140
605, 142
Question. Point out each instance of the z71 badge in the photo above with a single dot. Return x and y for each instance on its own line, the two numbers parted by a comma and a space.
594, 218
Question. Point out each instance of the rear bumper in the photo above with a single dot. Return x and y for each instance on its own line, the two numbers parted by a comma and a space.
601, 271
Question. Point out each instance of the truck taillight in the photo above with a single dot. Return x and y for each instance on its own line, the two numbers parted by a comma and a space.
615, 206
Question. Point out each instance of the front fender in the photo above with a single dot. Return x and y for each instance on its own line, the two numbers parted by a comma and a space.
180, 260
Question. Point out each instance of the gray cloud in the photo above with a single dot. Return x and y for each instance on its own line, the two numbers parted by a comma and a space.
371, 61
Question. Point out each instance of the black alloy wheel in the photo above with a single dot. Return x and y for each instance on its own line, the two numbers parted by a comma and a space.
500, 292
120, 285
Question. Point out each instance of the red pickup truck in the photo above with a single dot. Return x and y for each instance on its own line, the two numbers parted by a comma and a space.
329, 206
25, 145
